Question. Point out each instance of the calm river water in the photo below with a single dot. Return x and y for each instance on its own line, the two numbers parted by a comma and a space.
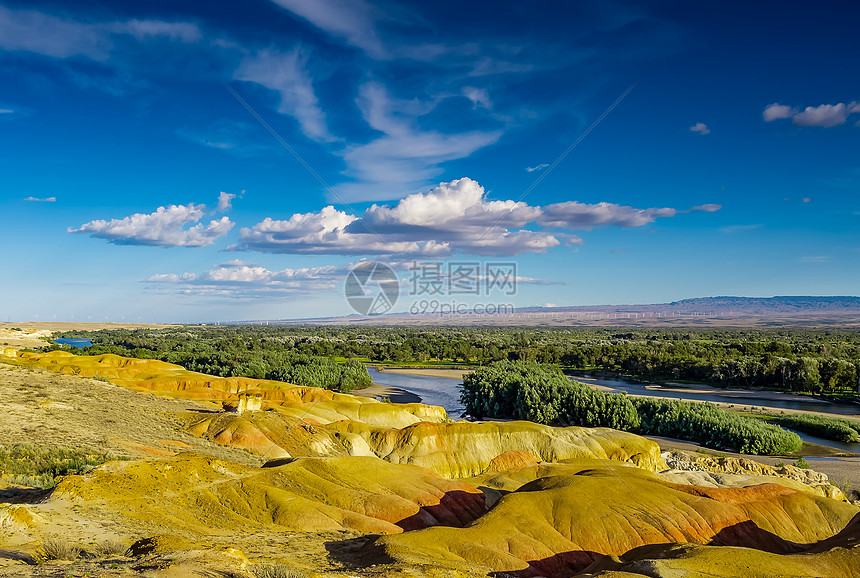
445, 391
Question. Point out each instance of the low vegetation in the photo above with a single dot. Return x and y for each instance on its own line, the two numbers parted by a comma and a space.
58, 548
234, 357
277, 570
541, 393
802, 360
40, 466
830, 428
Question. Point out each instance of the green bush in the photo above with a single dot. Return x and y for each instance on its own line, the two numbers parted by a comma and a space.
713, 427
543, 394
39, 467
830, 428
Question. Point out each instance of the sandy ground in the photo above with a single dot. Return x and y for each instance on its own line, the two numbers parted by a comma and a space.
44, 408
395, 394
740, 399
428, 372
30, 334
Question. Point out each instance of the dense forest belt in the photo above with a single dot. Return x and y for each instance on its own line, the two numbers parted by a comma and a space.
543, 394
802, 360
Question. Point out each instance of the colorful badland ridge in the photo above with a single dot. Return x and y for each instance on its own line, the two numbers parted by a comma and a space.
399, 489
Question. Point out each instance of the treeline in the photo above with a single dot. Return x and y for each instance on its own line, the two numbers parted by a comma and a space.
543, 394
239, 358
802, 360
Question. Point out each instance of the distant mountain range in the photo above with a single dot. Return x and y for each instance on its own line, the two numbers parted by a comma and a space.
803, 310
793, 304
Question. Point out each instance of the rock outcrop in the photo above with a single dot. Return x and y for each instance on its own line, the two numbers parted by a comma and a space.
464, 449
722, 471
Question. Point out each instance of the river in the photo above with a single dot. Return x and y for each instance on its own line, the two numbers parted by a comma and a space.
74, 343
445, 391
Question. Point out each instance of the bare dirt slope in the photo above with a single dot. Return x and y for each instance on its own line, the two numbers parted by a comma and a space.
40, 407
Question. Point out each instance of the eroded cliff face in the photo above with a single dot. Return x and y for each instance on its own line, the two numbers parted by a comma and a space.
448, 498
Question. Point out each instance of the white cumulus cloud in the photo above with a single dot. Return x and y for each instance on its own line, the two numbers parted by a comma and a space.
236, 279
824, 115
166, 227
700, 128
453, 217
225, 201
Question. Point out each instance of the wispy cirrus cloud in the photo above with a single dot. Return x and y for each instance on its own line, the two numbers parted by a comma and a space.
49, 35
171, 226
537, 168
350, 20
734, 229
816, 259
287, 74
453, 217
405, 157
825, 115
41, 200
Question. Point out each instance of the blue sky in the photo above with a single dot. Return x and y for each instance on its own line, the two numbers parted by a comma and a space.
145, 171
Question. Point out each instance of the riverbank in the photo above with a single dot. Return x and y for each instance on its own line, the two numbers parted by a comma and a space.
395, 394
734, 400
426, 372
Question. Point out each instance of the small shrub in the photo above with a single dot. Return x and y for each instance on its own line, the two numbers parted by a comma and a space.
59, 549
802, 463
40, 466
109, 547
277, 570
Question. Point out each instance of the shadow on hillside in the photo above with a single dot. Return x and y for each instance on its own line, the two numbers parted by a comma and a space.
744, 534
455, 508
358, 552
24, 495
18, 557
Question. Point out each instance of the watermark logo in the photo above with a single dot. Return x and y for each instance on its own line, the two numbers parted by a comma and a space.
437, 287
371, 288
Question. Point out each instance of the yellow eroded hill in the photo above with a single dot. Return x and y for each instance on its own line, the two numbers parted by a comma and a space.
196, 493
166, 379
693, 561
463, 449
560, 523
